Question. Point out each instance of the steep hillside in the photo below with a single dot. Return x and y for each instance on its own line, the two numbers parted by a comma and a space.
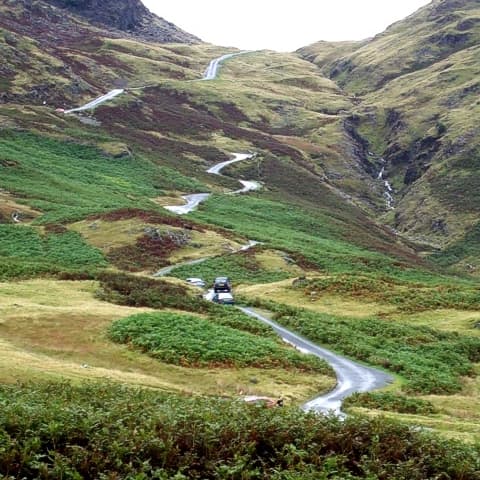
61, 59
416, 108
128, 16
429, 35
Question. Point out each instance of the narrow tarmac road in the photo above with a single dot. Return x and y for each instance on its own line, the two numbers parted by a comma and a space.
194, 199
212, 70
98, 101
351, 376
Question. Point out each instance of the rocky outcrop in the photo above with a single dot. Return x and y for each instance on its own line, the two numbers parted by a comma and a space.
129, 16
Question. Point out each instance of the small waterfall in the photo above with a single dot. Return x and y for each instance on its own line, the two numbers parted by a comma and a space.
388, 192
388, 195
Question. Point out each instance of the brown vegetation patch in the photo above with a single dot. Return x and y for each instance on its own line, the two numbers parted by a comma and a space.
148, 217
177, 113
135, 291
150, 251
9, 206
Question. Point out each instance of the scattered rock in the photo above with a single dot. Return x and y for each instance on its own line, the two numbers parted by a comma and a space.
289, 260
129, 16
179, 239
299, 281
10, 39
440, 226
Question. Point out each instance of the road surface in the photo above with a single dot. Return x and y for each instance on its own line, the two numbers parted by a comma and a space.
216, 169
192, 200
97, 101
166, 270
195, 199
351, 376
248, 186
212, 69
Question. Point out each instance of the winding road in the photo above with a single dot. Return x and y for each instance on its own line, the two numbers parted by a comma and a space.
351, 376
210, 74
212, 69
194, 199
98, 101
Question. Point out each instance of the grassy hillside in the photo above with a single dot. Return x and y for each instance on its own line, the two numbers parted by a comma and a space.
416, 109
429, 35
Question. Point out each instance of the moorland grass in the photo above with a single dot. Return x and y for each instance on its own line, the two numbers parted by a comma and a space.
406, 296
68, 181
391, 402
107, 431
130, 290
240, 267
315, 235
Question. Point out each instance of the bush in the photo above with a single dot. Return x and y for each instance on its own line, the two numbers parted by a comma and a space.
133, 291
25, 253
391, 402
106, 431
193, 341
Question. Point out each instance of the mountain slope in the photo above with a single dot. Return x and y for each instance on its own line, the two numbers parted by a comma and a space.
431, 34
416, 88
128, 16
85, 238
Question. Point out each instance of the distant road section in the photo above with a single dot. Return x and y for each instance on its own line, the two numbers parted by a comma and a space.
195, 199
212, 69
104, 98
217, 169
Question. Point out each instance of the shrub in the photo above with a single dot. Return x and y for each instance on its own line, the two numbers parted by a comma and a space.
391, 402
108, 431
26, 253
193, 341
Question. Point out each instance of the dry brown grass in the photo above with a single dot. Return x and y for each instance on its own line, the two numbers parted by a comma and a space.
282, 292
56, 330
9, 204
107, 235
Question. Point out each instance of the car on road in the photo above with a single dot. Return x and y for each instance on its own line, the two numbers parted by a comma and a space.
222, 284
197, 282
223, 298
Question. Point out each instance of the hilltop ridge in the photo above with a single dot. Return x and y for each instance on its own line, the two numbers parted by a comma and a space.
416, 92
127, 16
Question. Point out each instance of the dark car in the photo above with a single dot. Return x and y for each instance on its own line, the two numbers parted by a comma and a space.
223, 298
222, 284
